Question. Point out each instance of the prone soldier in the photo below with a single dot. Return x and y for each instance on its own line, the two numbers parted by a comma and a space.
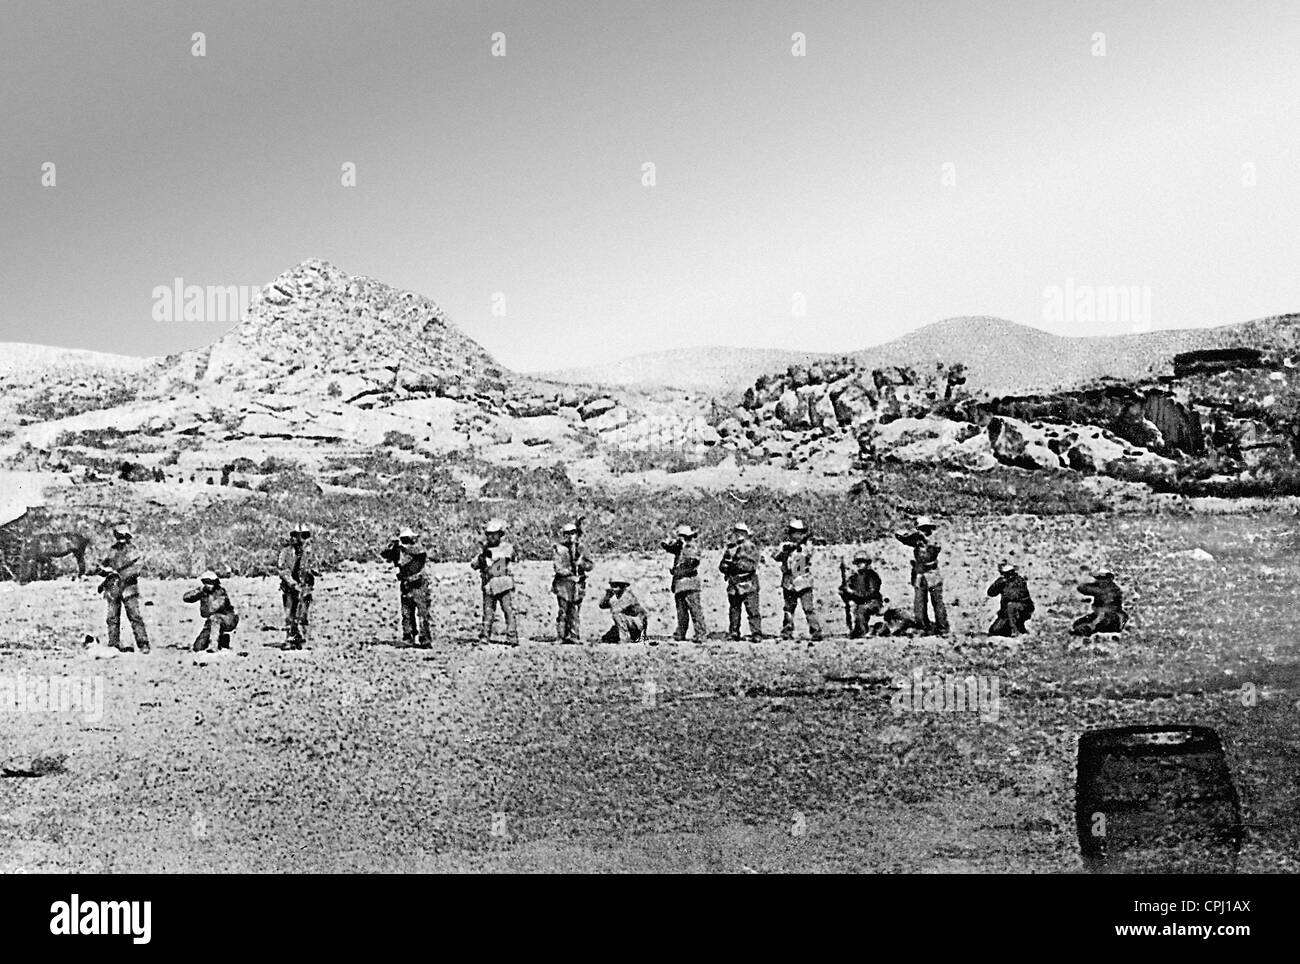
740, 562
1016, 605
927, 581
895, 622
493, 564
410, 558
861, 594
216, 610
121, 572
297, 568
685, 571
570, 583
795, 557
630, 617
1108, 615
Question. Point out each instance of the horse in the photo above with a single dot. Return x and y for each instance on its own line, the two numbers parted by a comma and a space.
44, 547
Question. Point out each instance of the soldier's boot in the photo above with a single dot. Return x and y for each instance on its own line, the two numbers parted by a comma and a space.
223, 641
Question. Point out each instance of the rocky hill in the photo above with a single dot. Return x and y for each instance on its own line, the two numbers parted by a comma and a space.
323, 366
316, 331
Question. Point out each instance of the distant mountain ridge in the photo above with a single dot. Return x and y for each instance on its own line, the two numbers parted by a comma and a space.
20, 358
1002, 357
688, 369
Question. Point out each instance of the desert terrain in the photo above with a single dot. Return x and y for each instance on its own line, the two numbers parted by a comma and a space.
357, 754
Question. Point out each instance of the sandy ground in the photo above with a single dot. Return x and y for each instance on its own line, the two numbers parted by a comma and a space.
357, 754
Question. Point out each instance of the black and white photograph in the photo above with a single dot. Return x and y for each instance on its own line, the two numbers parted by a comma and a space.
678, 437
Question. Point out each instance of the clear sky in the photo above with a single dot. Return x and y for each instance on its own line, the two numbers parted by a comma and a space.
822, 174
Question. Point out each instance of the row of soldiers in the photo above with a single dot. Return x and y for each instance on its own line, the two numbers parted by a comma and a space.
860, 589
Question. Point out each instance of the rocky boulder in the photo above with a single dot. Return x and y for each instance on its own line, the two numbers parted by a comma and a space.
596, 408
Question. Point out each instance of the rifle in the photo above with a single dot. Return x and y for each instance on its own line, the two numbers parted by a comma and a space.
844, 594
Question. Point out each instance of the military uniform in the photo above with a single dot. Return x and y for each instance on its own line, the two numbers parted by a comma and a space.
493, 565
1108, 615
895, 622
413, 584
218, 614
121, 572
740, 564
927, 581
797, 587
630, 617
569, 586
861, 591
297, 568
1016, 605
685, 572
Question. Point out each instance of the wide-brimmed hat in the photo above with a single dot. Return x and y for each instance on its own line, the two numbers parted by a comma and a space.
686, 532
925, 522
797, 525
495, 525
208, 576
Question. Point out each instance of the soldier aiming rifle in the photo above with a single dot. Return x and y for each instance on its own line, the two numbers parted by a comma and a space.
570, 583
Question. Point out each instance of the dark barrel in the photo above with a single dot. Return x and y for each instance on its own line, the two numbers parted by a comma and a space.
1156, 799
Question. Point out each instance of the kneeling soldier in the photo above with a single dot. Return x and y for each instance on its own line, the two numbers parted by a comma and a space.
1108, 615
570, 584
861, 592
1016, 606
493, 565
630, 617
218, 613
410, 557
740, 564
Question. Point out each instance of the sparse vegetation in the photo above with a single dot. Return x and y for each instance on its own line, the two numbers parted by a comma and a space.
399, 440
669, 458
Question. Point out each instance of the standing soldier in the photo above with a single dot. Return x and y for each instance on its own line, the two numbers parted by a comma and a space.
630, 617
795, 556
1016, 606
570, 583
861, 593
686, 583
927, 582
217, 611
1108, 615
413, 583
740, 564
121, 572
493, 565
297, 568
